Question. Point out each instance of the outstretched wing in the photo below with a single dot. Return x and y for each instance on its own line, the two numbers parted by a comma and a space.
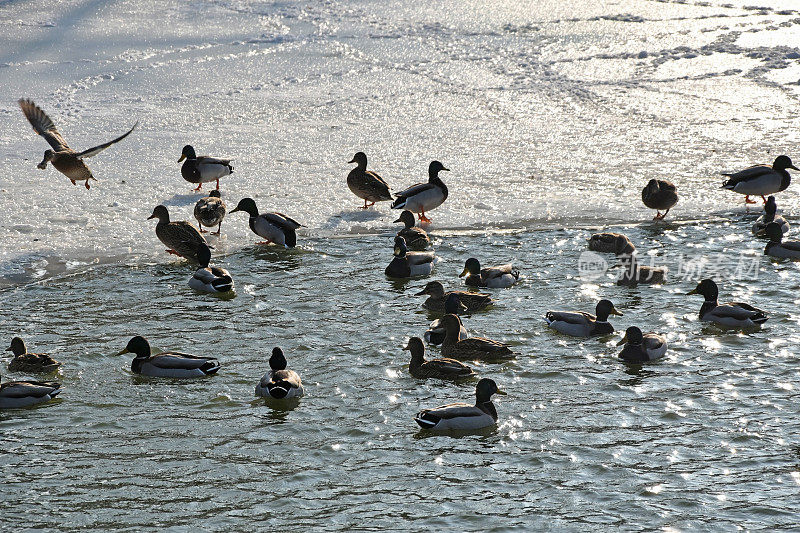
97, 149
43, 125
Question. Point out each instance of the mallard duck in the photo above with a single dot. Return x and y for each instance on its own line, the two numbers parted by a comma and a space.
407, 264
29, 362
203, 169
436, 333
761, 180
770, 210
462, 416
614, 243
18, 394
180, 237
641, 348
168, 364
441, 368
492, 277
777, 247
473, 301
416, 238
210, 211
732, 315
424, 196
64, 159
473, 348
274, 227
633, 273
366, 184
209, 279
279, 383
580, 324
660, 195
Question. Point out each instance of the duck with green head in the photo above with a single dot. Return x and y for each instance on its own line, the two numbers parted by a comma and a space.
580, 324
761, 180
21, 394
279, 383
168, 364
730, 315
641, 348
407, 264
366, 184
424, 197
24, 361
498, 277
463, 416
181, 238
203, 169
276, 228
777, 247
209, 279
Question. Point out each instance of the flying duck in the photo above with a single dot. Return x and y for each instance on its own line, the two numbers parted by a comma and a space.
641, 348
424, 196
436, 333
416, 238
761, 180
777, 247
440, 368
473, 301
64, 159
18, 394
492, 277
407, 264
180, 237
203, 169
463, 416
770, 210
473, 348
274, 227
29, 362
209, 279
660, 195
731, 315
168, 364
210, 211
366, 184
580, 324
279, 383
613, 243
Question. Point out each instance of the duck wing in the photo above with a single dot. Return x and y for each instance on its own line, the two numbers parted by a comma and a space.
570, 317
43, 125
447, 366
449, 411
498, 271
377, 178
282, 220
738, 311
750, 173
22, 389
413, 190
181, 361
289, 377
99, 148
419, 258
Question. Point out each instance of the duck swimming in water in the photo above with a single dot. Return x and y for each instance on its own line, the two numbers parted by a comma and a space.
440, 368
20, 394
407, 264
168, 364
279, 383
641, 348
580, 324
416, 238
777, 247
501, 277
770, 210
472, 301
732, 315
463, 416
26, 362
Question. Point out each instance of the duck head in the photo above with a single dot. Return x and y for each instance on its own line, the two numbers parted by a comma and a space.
137, 345
433, 288
782, 162
407, 218
708, 289
215, 194
187, 153
17, 347
160, 212
451, 325
203, 255
247, 205
774, 232
434, 168
277, 360
633, 335
652, 186
605, 308
472, 266
485, 389
417, 349
360, 159
48, 156
400, 248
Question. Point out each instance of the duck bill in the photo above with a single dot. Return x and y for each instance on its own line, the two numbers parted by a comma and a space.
498, 391
352, 160
407, 347
623, 341
420, 293
183, 156
448, 170
9, 349
615, 312
397, 250
398, 220
43, 164
793, 167
693, 291
464, 273
123, 352
235, 210
150, 217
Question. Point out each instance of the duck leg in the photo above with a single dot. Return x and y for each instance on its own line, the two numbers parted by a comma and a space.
217, 183
87, 185
765, 200
201, 228
199, 186
747, 200
423, 218
73, 181
219, 229
173, 252
658, 215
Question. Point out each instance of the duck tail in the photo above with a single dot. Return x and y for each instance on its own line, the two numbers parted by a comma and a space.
399, 203
425, 423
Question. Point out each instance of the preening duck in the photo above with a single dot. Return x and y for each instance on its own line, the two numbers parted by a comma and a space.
29, 362
613, 243
63, 158
473, 348
463, 416
210, 211
770, 210
19, 394
580, 324
731, 315
777, 247
366, 184
209, 279
660, 195
276, 228
473, 301
440, 368
180, 237
424, 197
407, 264
168, 364
203, 169
436, 333
279, 383
498, 277
416, 238
761, 180
641, 348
